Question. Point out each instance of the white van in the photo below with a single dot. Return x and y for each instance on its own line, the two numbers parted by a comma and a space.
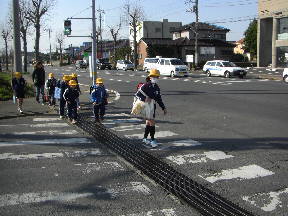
172, 67
150, 63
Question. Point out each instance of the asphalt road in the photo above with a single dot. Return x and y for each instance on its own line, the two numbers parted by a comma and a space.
227, 134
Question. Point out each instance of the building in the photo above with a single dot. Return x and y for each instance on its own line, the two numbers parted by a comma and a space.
212, 44
205, 31
272, 33
154, 29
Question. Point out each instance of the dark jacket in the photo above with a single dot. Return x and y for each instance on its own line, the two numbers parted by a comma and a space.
38, 77
51, 85
18, 85
98, 94
63, 86
71, 94
152, 91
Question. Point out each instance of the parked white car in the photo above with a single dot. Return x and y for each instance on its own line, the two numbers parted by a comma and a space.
285, 75
124, 65
223, 68
172, 67
150, 63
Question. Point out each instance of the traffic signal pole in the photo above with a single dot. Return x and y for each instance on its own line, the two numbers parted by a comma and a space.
67, 32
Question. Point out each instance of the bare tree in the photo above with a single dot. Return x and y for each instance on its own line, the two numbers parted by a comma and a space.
135, 15
60, 40
37, 9
114, 30
6, 35
25, 24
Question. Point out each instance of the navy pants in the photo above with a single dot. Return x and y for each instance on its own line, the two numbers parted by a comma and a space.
39, 90
62, 107
99, 110
72, 110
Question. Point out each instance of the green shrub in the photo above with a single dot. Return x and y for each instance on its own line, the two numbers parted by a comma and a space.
6, 92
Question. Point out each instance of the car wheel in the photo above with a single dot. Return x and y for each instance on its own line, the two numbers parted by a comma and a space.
241, 76
227, 74
208, 73
172, 74
285, 78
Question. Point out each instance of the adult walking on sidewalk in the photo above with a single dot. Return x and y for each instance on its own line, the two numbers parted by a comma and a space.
99, 97
150, 93
18, 86
38, 77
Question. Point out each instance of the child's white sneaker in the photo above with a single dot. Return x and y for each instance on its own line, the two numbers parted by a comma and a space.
146, 141
153, 143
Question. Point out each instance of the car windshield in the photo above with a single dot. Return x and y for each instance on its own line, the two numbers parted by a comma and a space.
176, 62
127, 62
229, 64
153, 60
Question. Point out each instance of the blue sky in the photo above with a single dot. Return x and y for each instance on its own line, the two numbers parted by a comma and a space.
232, 14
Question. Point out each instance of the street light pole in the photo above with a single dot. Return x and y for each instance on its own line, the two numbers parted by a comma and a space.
50, 53
16, 37
196, 33
94, 46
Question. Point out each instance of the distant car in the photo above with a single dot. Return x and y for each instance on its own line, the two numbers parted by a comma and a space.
79, 64
150, 63
172, 67
103, 64
124, 65
223, 68
285, 75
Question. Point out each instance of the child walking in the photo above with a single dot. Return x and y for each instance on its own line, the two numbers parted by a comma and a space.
75, 77
18, 85
50, 86
70, 95
63, 85
99, 98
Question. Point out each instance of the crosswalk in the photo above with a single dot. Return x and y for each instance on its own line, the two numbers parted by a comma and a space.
50, 163
84, 159
187, 153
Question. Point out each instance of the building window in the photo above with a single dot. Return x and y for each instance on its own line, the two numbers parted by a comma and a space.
226, 52
171, 29
283, 29
177, 35
157, 30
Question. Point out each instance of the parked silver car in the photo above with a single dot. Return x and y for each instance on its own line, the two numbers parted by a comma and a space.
124, 65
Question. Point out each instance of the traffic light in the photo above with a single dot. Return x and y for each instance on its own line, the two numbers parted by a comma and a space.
67, 27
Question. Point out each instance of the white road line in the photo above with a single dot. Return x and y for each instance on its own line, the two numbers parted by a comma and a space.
84, 153
46, 142
164, 212
180, 143
119, 80
11, 156
158, 134
74, 154
185, 80
199, 158
268, 201
241, 173
130, 120
196, 81
111, 79
129, 127
164, 78
112, 191
54, 125
50, 132
46, 119
117, 115
91, 167
240, 81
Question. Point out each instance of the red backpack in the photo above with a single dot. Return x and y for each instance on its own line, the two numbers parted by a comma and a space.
139, 85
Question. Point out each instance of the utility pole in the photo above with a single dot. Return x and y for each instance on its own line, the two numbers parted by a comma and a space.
16, 37
50, 54
195, 10
94, 46
100, 30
